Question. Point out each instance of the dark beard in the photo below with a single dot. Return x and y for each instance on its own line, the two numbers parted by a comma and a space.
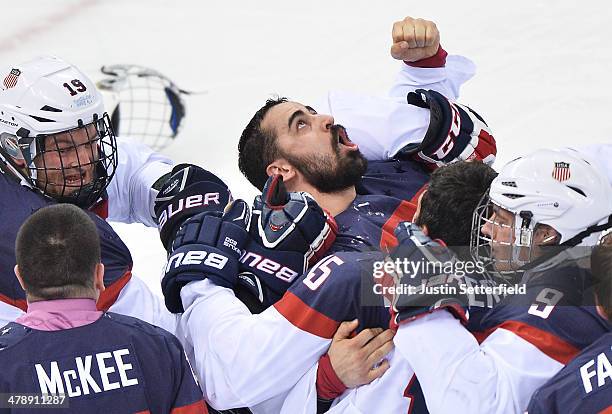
331, 173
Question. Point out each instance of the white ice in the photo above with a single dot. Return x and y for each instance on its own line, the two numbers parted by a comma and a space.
543, 66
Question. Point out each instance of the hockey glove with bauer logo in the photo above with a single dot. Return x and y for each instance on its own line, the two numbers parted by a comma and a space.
423, 276
188, 191
289, 233
455, 133
207, 246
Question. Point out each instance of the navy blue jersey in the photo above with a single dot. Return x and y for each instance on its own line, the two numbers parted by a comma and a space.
338, 288
116, 364
584, 386
557, 314
400, 179
387, 195
17, 203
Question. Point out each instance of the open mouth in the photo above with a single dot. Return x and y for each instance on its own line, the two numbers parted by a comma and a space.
344, 140
74, 179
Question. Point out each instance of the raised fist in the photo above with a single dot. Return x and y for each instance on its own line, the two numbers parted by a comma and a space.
414, 39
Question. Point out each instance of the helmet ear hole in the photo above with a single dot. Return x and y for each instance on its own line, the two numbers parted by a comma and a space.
545, 235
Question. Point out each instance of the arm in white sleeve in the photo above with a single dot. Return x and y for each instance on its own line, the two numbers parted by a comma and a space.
302, 399
381, 126
130, 193
242, 359
446, 79
138, 301
459, 376
8, 313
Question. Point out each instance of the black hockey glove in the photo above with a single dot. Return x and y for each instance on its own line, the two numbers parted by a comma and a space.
188, 191
289, 233
455, 133
423, 266
207, 245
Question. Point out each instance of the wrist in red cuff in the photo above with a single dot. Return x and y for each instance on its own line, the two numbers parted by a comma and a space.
329, 386
436, 61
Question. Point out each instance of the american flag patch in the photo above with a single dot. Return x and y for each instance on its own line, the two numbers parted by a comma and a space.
561, 172
12, 78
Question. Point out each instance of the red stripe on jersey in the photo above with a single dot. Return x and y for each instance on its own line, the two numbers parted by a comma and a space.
18, 303
100, 209
482, 335
306, 318
404, 212
551, 345
606, 411
111, 293
197, 407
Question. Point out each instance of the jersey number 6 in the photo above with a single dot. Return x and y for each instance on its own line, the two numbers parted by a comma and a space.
321, 272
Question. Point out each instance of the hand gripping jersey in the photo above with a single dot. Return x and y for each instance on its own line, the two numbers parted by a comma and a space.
528, 339
348, 286
130, 199
584, 386
116, 364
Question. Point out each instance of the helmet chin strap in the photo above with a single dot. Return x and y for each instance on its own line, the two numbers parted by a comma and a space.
11, 169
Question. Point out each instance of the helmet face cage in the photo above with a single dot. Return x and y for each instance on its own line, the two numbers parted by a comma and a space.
74, 166
150, 107
508, 247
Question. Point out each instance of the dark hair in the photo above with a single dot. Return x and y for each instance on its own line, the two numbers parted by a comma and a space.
453, 194
257, 147
57, 249
601, 266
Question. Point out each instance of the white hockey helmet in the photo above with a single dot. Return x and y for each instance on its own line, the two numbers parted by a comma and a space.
54, 133
559, 188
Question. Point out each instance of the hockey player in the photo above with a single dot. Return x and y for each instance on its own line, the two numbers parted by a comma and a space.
294, 333
402, 141
583, 385
539, 207
56, 144
452, 193
65, 350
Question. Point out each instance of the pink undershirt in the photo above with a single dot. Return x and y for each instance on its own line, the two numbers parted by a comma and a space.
55, 315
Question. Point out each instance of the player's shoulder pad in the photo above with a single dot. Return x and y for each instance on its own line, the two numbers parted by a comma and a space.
11, 334
355, 261
134, 324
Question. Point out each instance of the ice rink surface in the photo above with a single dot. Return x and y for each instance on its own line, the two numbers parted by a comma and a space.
544, 67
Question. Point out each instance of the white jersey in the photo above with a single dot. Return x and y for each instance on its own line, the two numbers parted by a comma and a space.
255, 360
243, 360
130, 193
382, 126
387, 394
130, 200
